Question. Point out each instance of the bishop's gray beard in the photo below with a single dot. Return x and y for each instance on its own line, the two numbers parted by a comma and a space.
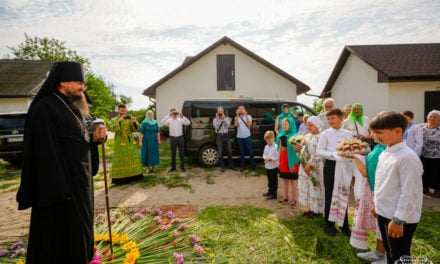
79, 104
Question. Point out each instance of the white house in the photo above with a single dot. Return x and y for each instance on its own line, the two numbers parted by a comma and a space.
387, 78
20, 80
223, 70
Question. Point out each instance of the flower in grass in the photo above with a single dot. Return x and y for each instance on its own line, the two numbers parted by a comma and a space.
163, 227
159, 212
20, 262
199, 249
157, 219
105, 251
129, 245
3, 252
17, 244
100, 218
119, 239
181, 227
194, 238
131, 256
111, 257
176, 232
97, 259
137, 216
176, 220
179, 258
170, 214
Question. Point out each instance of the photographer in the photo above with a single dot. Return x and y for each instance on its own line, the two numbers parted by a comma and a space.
176, 121
221, 125
126, 164
243, 122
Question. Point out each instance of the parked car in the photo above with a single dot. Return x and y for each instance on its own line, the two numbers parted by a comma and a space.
200, 135
11, 136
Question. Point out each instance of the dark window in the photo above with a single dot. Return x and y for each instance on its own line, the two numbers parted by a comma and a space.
226, 72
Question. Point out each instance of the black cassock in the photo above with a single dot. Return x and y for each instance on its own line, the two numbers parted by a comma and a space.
59, 163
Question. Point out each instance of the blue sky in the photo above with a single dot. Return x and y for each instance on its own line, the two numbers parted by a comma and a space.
134, 43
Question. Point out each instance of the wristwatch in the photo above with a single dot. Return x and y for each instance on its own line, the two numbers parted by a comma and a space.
398, 221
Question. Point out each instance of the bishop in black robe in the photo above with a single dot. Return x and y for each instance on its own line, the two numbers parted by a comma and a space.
60, 159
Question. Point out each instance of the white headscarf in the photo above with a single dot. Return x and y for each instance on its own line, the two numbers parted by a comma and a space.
317, 122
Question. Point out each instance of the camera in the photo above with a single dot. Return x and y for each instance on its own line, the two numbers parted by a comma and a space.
220, 114
175, 113
127, 117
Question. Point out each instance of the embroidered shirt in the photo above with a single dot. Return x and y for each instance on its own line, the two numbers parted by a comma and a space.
431, 142
398, 189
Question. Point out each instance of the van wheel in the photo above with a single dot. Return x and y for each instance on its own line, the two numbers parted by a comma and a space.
208, 156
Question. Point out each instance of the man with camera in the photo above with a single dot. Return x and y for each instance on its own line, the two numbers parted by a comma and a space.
243, 122
176, 121
126, 163
221, 125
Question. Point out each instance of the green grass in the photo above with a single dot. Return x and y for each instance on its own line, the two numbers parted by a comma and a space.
254, 235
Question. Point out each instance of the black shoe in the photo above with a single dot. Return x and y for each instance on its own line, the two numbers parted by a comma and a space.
242, 169
266, 194
171, 170
271, 197
232, 168
331, 231
183, 169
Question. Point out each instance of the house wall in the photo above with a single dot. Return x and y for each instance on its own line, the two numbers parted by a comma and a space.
252, 80
357, 83
411, 96
14, 105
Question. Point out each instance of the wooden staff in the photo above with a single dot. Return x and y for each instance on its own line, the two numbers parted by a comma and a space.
107, 206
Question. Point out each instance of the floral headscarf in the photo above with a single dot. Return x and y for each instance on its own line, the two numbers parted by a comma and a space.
354, 117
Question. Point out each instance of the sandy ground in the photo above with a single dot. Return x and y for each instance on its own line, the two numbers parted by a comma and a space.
230, 188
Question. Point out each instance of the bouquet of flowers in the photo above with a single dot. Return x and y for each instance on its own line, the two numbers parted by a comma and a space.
304, 154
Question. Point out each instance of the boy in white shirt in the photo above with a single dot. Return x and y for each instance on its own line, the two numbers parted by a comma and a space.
398, 195
270, 157
328, 141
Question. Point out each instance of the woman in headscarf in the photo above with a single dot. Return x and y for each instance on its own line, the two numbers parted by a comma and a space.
431, 153
149, 140
284, 114
312, 194
288, 161
358, 124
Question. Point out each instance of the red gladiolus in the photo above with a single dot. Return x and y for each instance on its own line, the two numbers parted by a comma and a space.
105, 251
111, 257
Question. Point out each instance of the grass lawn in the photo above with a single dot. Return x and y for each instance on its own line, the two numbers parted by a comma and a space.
254, 235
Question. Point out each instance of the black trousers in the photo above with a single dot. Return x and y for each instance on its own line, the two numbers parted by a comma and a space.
431, 172
397, 248
329, 182
272, 181
177, 143
223, 140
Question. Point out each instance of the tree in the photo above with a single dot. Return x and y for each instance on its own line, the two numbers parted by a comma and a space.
317, 105
45, 49
125, 99
101, 95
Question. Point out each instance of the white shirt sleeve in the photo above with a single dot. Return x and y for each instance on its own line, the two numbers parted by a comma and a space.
185, 121
415, 139
165, 120
321, 149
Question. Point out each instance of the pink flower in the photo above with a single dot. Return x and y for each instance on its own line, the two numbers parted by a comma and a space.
179, 258
194, 238
199, 249
164, 227
170, 214
97, 259
181, 227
